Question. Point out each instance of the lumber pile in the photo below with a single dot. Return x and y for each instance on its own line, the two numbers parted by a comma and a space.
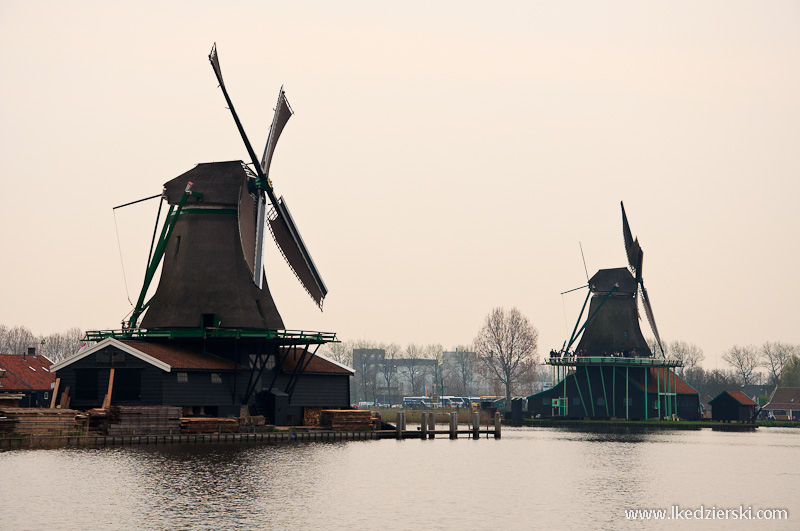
7, 426
311, 416
255, 420
209, 425
143, 420
345, 419
37, 421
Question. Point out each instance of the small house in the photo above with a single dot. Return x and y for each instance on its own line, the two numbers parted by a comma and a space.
26, 380
784, 404
733, 405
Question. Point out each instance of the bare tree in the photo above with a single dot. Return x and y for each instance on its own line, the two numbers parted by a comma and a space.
436, 354
690, 354
341, 352
389, 367
744, 360
414, 369
506, 345
366, 360
460, 369
62, 345
3, 336
790, 375
774, 357
17, 340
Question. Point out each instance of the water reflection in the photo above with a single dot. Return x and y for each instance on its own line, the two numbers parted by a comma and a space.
531, 478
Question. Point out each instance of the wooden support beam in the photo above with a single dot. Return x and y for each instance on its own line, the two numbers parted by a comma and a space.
107, 399
55, 394
65, 398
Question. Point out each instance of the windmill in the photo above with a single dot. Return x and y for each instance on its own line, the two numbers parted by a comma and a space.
612, 372
212, 242
612, 324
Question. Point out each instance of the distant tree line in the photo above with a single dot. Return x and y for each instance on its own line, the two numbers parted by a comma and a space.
55, 347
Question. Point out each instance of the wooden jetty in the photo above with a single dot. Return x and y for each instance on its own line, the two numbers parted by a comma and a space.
426, 430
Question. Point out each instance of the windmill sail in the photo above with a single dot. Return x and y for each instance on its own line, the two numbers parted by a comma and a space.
294, 251
247, 227
632, 247
283, 112
281, 224
649, 311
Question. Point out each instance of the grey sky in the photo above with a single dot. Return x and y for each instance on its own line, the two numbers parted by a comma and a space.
443, 159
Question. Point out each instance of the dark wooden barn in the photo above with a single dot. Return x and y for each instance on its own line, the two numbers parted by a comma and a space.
733, 405
172, 373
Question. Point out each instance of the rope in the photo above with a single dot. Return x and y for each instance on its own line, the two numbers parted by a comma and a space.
122, 263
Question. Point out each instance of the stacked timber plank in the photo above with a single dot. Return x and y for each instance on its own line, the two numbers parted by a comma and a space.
37, 421
345, 419
143, 420
7, 426
311, 416
209, 425
254, 420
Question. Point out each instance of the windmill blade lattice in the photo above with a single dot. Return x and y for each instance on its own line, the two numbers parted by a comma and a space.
281, 224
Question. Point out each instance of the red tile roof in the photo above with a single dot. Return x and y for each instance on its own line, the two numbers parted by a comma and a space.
676, 383
785, 398
317, 364
742, 398
181, 357
26, 373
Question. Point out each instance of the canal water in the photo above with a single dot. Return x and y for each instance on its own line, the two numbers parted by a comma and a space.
532, 478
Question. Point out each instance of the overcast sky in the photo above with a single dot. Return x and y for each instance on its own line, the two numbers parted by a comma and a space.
444, 157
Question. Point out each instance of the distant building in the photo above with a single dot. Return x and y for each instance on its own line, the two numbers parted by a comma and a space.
27, 378
733, 405
784, 403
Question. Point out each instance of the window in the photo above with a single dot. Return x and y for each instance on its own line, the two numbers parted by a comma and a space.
110, 358
601, 401
546, 401
46, 395
216, 378
183, 377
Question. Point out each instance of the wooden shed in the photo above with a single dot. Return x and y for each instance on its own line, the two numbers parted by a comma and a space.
733, 405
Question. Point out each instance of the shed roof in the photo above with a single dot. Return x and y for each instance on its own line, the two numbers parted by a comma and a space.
181, 357
26, 373
317, 364
165, 356
785, 398
738, 396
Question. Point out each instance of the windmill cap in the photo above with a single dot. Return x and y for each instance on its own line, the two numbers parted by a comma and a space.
604, 281
219, 182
